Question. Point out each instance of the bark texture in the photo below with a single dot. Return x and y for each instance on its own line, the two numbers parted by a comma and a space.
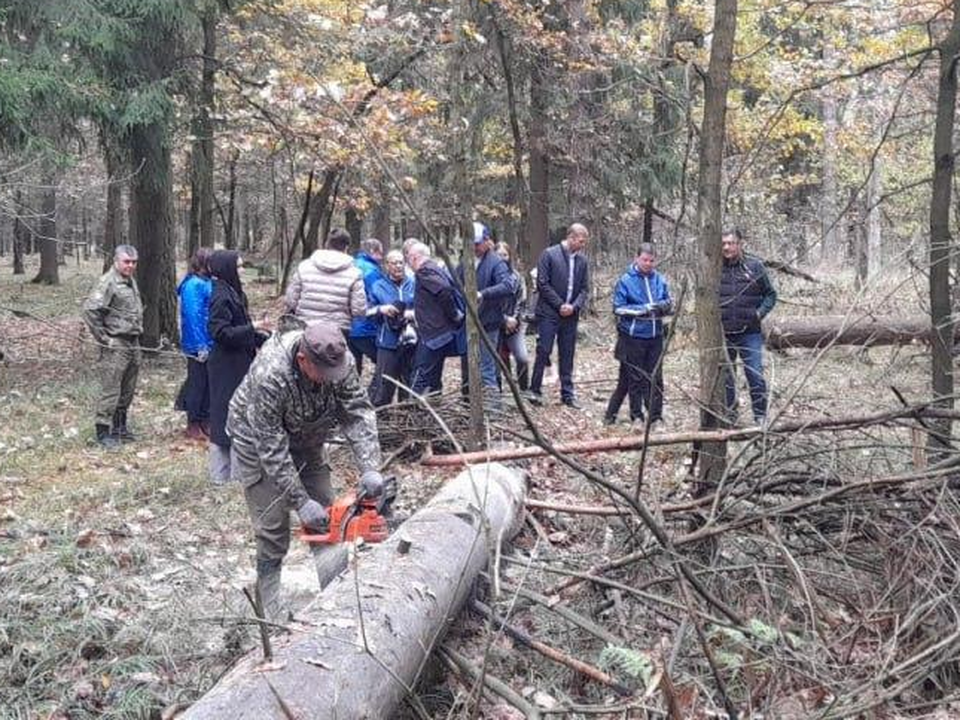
397, 606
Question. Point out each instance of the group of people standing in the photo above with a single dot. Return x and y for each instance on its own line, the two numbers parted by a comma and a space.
404, 312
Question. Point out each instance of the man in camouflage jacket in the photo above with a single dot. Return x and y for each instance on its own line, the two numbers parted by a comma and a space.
301, 386
114, 315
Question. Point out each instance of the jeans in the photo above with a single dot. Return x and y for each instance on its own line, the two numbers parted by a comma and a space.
516, 346
748, 347
489, 371
564, 332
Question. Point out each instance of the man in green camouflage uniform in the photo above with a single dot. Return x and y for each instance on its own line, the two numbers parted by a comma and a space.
114, 315
302, 385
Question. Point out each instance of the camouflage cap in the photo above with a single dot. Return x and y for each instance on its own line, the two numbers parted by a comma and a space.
324, 344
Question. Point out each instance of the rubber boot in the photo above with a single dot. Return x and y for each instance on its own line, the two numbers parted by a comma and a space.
120, 429
106, 438
268, 583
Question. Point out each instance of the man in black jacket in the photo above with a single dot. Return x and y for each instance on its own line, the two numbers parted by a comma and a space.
746, 296
438, 310
563, 283
495, 288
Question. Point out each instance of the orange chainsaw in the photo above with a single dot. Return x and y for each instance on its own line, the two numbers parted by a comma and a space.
353, 516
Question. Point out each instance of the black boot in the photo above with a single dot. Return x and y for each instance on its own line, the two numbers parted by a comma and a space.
106, 438
120, 429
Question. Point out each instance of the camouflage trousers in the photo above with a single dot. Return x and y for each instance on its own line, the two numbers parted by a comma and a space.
119, 367
269, 509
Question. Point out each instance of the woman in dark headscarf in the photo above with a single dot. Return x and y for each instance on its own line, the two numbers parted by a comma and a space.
235, 341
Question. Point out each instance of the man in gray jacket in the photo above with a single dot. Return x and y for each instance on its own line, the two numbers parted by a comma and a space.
328, 285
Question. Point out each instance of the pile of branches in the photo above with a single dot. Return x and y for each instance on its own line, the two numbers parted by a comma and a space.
820, 578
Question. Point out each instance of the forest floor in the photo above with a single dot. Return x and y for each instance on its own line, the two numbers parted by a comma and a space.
120, 572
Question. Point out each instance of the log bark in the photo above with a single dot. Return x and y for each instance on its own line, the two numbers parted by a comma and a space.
344, 662
821, 331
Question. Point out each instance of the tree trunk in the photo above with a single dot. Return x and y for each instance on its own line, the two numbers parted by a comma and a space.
782, 333
354, 226
397, 607
830, 247
320, 212
713, 455
940, 239
230, 222
465, 132
381, 217
515, 228
204, 148
537, 236
151, 232
49, 246
19, 236
112, 225
874, 225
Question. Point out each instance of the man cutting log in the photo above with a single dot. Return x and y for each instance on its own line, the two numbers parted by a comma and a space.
302, 385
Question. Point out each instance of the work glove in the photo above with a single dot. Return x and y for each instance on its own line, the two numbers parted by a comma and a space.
313, 515
371, 483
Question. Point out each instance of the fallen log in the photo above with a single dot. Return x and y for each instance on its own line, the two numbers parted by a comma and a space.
635, 442
820, 331
360, 647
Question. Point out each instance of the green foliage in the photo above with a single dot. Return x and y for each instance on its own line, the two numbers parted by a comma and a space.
628, 663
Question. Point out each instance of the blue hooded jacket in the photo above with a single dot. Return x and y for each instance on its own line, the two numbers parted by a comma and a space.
387, 292
639, 302
361, 327
195, 292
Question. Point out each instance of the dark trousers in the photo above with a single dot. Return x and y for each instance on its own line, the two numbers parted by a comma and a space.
396, 364
428, 367
361, 347
564, 332
748, 347
196, 392
644, 376
620, 392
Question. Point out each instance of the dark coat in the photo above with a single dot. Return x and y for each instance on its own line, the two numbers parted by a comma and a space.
235, 344
746, 295
436, 304
496, 285
553, 271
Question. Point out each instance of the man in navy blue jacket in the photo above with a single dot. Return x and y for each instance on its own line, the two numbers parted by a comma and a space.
437, 308
746, 296
563, 284
495, 287
640, 301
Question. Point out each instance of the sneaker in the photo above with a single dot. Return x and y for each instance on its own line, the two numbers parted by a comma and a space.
534, 398
608, 421
572, 403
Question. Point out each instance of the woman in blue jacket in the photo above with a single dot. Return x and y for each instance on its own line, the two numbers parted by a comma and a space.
390, 306
640, 301
194, 292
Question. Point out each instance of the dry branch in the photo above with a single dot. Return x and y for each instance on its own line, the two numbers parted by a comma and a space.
635, 442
